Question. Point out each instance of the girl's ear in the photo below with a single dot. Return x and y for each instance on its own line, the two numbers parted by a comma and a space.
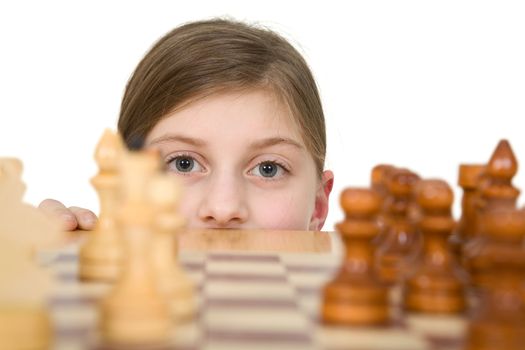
321, 201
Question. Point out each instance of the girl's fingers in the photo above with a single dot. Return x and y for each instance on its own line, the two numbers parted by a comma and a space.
59, 211
85, 218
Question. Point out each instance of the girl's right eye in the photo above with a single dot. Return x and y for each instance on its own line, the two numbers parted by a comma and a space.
184, 164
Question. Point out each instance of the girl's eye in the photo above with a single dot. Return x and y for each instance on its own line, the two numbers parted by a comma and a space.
269, 169
184, 164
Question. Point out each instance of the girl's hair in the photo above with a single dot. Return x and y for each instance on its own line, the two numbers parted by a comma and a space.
201, 58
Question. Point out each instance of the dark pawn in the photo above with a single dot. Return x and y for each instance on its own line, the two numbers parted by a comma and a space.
469, 179
401, 242
357, 296
438, 283
499, 321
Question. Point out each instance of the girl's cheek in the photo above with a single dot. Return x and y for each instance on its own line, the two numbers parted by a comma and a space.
278, 214
188, 207
278, 211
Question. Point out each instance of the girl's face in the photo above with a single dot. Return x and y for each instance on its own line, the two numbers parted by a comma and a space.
242, 163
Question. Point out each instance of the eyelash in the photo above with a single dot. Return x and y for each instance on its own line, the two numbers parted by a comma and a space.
283, 166
276, 162
179, 155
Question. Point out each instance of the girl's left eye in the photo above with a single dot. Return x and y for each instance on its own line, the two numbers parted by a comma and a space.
269, 169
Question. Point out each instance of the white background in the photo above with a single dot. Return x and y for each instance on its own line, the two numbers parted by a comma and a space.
427, 85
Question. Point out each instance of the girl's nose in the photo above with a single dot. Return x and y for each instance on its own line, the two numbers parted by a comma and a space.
224, 204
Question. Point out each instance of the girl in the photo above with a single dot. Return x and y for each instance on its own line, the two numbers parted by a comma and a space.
235, 113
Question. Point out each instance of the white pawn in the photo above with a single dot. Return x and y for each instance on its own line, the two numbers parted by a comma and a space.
24, 288
21, 222
25, 322
173, 282
100, 258
11, 186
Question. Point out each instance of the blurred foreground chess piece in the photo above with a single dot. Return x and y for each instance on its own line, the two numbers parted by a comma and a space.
100, 258
379, 178
506, 237
164, 192
356, 296
11, 186
437, 284
24, 316
135, 312
496, 192
21, 221
24, 319
401, 242
499, 321
469, 179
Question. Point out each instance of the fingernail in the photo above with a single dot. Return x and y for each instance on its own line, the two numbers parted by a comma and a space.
67, 217
88, 220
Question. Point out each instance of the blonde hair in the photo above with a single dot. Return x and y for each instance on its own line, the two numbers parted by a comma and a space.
201, 58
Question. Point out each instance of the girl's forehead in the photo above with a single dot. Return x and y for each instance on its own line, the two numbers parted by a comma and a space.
249, 113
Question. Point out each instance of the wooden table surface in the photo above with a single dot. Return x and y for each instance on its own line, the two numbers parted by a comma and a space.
250, 240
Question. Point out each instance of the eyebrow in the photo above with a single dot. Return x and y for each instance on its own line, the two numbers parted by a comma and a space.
178, 138
268, 142
272, 141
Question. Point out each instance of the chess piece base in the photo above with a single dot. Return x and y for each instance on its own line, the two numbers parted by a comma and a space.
355, 303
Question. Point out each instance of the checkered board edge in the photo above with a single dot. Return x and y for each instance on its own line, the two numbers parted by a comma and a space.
255, 300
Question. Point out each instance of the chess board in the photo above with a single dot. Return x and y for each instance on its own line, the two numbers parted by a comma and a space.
247, 299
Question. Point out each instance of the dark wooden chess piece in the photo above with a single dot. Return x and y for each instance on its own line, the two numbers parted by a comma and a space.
401, 241
437, 283
469, 179
356, 296
499, 321
496, 192
379, 182
379, 178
